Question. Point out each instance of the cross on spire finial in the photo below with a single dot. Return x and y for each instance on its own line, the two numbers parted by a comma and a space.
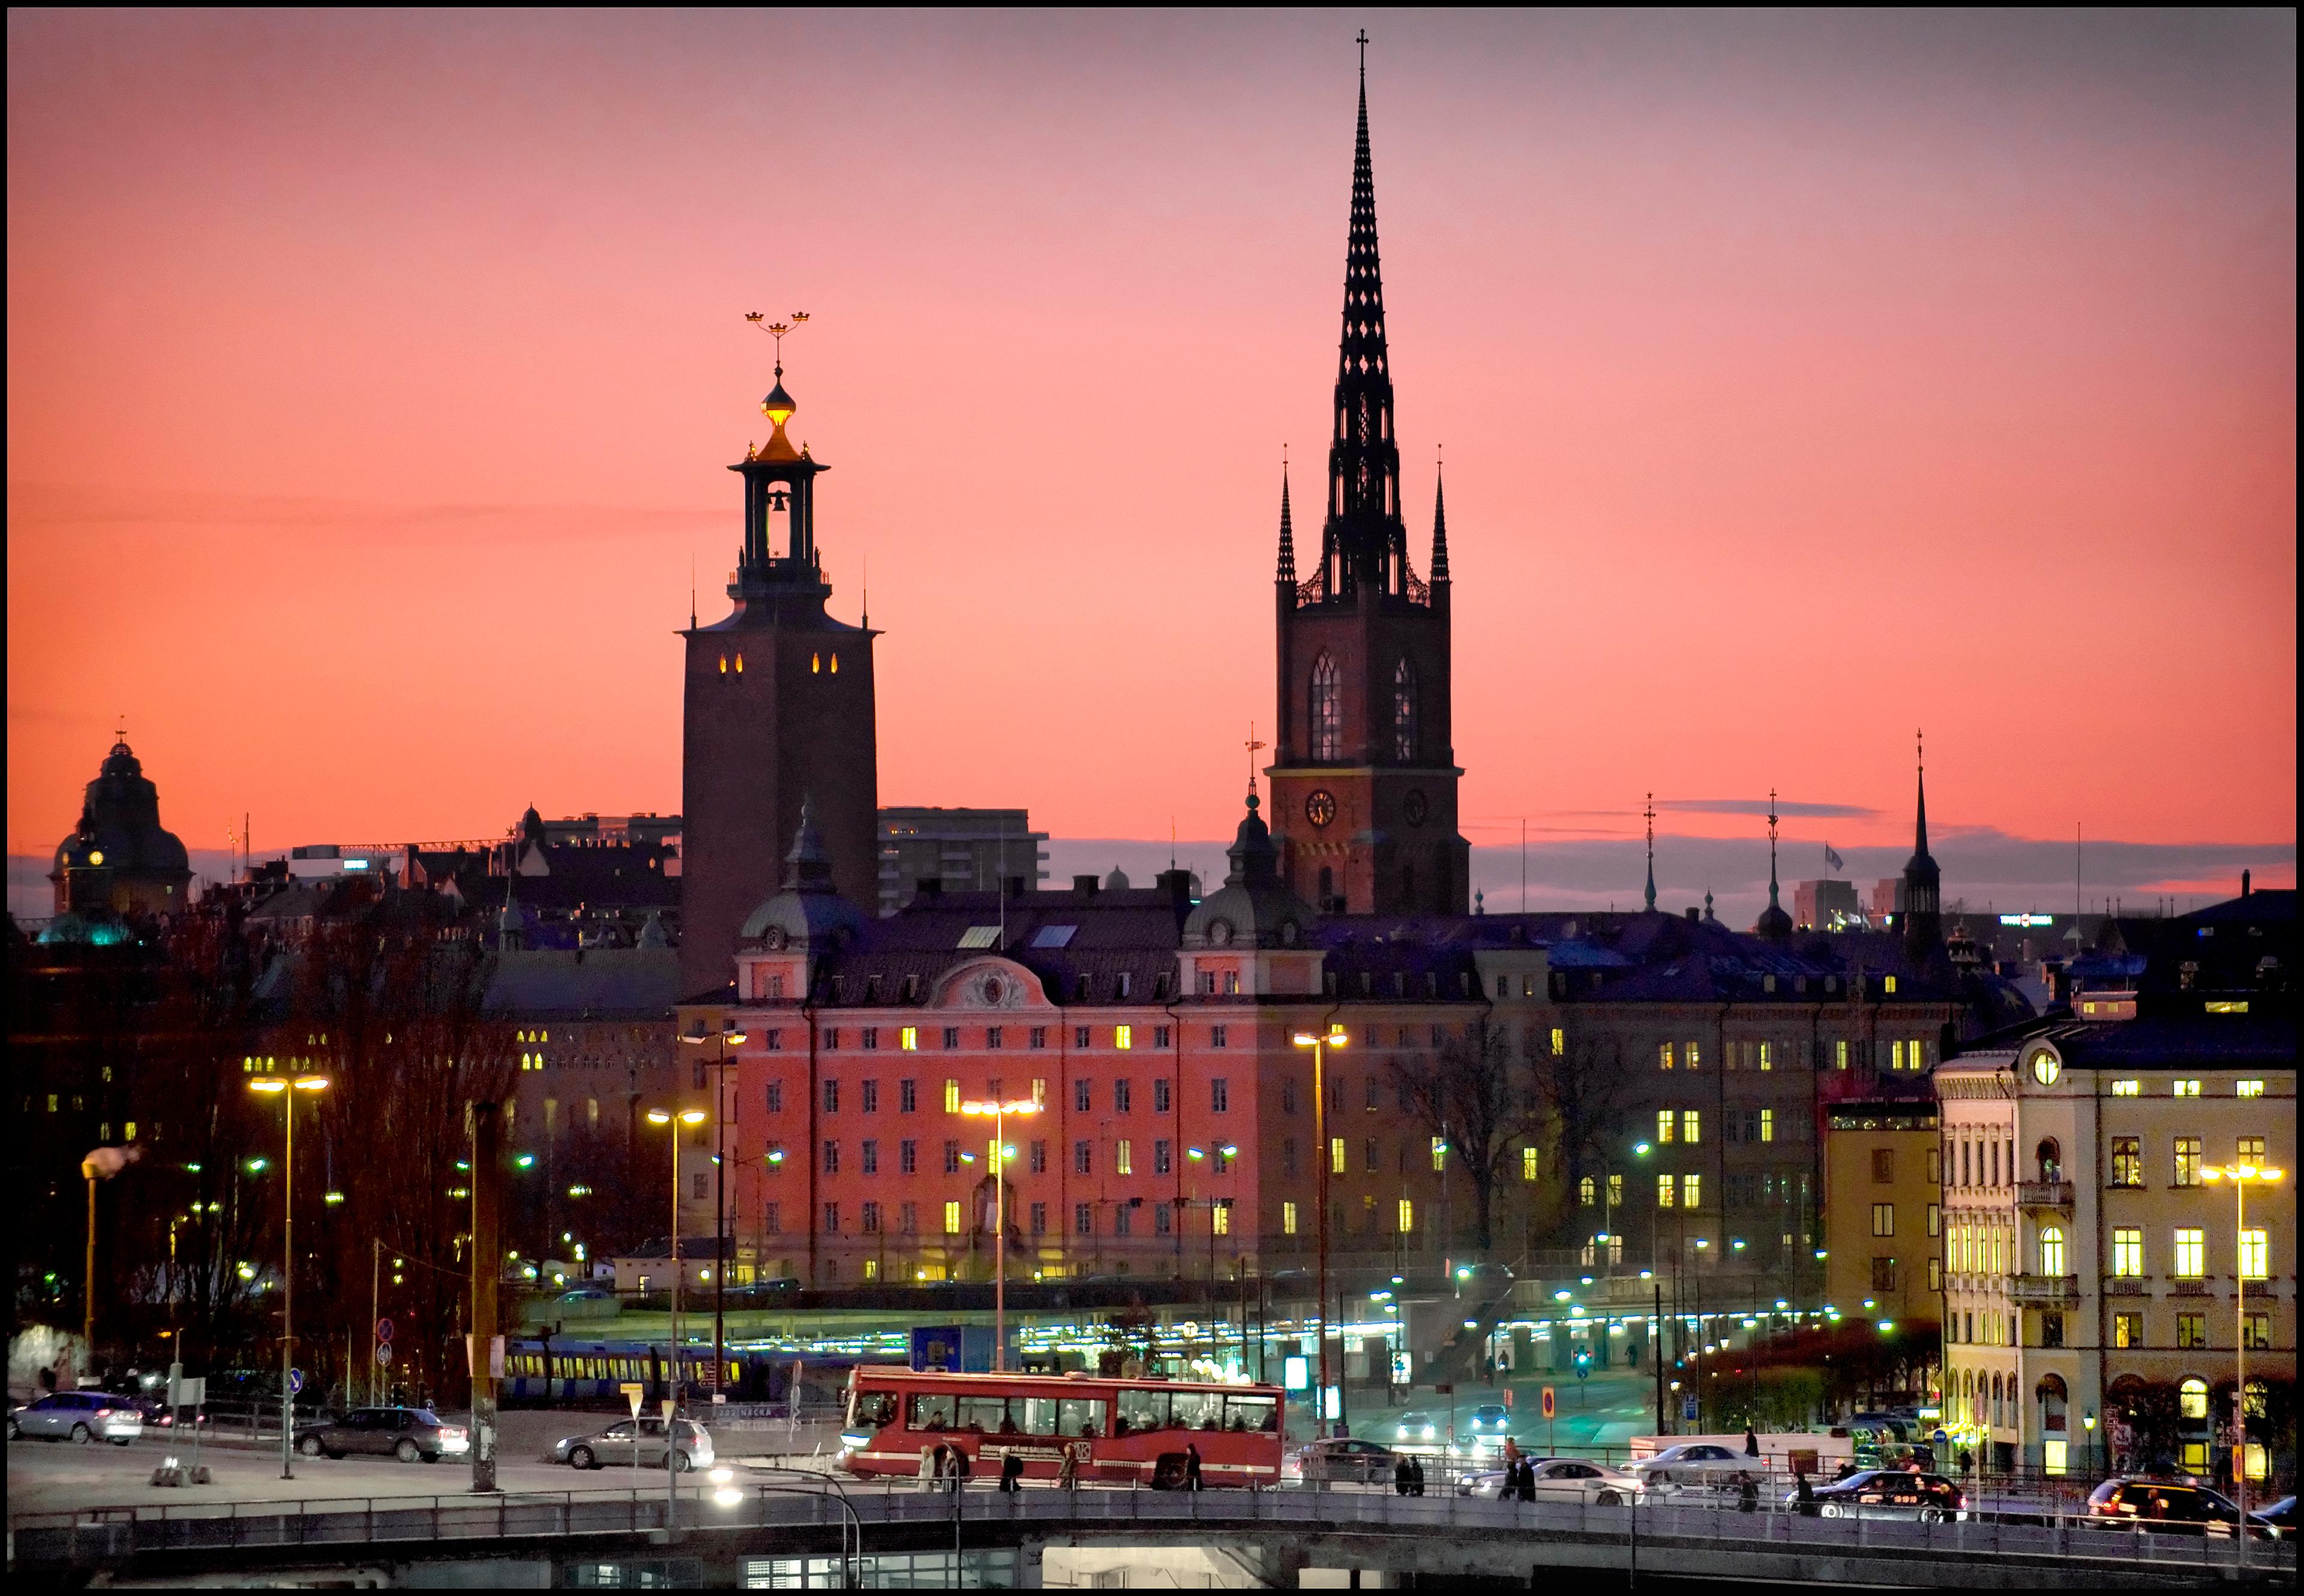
776, 330
1649, 812
1253, 745
1363, 44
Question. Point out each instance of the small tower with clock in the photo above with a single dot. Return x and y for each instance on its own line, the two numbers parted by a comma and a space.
1364, 776
778, 717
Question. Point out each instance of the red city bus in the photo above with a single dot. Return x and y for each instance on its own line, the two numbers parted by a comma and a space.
1118, 1432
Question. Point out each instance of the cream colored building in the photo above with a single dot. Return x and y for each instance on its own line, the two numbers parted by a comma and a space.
2084, 1252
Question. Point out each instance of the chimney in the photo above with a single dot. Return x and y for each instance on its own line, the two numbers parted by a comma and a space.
1693, 916
1176, 886
1084, 886
2243, 883
1014, 886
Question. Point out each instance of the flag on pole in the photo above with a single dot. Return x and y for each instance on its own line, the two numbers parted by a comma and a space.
1832, 859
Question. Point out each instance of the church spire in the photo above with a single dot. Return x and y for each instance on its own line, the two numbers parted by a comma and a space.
1287, 575
1923, 907
1439, 527
1775, 925
1651, 812
1364, 543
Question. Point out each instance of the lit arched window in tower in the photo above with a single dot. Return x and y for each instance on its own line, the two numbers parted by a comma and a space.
1326, 718
1404, 712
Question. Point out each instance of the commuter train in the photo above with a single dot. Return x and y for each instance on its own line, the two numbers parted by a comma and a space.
564, 1369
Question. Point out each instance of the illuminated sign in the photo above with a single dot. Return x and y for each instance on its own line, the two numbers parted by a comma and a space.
2028, 919
1294, 1376
356, 864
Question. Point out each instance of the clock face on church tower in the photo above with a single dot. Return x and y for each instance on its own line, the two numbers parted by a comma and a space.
1320, 808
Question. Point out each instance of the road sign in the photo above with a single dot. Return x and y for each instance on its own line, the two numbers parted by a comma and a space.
295, 1381
632, 1394
1550, 1406
384, 1352
384, 1329
1688, 1407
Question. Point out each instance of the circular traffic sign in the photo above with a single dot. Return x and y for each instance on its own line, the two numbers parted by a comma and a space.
384, 1352
384, 1329
295, 1381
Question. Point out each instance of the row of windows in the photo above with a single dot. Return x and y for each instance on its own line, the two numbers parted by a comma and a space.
907, 1036
2186, 1162
908, 1096
817, 665
871, 1217
2185, 1088
1977, 1249
956, 1156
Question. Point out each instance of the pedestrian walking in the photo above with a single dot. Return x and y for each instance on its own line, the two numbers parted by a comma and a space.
1748, 1499
1415, 1476
1012, 1474
1191, 1466
1806, 1495
928, 1468
1751, 1443
1402, 1478
1068, 1471
1528, 1478
961, 1469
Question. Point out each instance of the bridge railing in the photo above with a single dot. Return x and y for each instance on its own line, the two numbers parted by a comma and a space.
106, 1534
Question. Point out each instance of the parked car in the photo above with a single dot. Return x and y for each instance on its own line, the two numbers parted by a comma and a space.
407, 1433
1697, 1463
2169, 1507
2279, 1514
616, 1445
1341, 1460
1563, 1480
582, 1294
81, 1417
1491, 1418
1890, 1493
1417, 1427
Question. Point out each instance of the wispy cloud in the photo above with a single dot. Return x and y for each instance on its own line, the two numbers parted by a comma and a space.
35, 507
1760, 806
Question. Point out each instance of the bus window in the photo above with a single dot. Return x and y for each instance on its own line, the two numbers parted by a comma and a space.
932, 1410
1079, 1415
984, 1415
876, 1408
1038, 1414
1198, 1410
1141, 1410
1250, 1414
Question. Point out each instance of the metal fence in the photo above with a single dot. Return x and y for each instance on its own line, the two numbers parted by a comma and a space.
102, 1534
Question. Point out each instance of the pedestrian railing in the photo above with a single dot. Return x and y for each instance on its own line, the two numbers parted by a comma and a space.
106, 1534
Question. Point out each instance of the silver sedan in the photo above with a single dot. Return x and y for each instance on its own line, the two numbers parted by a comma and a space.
1563, 1479
641, 1441
81, 1416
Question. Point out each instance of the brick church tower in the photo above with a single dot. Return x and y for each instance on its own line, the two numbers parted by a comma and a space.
777, 709
1364, 774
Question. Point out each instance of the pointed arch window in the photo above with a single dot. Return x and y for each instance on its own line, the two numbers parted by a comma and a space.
1327, 717
1403, 711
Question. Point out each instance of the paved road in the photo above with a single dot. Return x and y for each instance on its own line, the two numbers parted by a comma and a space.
1607, 1410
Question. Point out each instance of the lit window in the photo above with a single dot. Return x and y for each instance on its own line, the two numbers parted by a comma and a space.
1666, 1192
1560, 1044
911, 1039
2248, 1089
1691, 1190
2188, 1160
1123, 1036
1439, 1155
1895, 1055
1767, 1055
2128, 1252
1840, 1055
1884, 1219
1691, 1126
2127, 1161
816, 663
2052, 1250
2249, 1150
1667, 1126
2254, 1255
2192, 1399
1767, 1125
1616, 1191
1587, 1191
1326, 706
951, 1097
1220, 1219
1287, 1218
1891, 986
1693, 1058
2184, 1089
1664, 1055
1122, 1162
2126, 1088
2191, 1254
1527, 1163
1407, 1216
952, 1218
1935, 1219
2223, 1006
1336, 1160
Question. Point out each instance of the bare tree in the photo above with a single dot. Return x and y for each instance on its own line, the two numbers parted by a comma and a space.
1583, 1093
1469, 1097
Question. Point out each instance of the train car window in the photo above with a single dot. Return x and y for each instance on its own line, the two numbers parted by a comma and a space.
1079, 1415
1141, 1410
1251, 1413
933, 1410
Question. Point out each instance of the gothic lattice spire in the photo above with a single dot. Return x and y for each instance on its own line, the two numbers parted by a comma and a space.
1287, 574
1439, 528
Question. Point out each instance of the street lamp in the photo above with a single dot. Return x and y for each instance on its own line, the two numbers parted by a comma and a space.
279, 1086
2242, 1176
1320, 1045
665, 1117
1001, 1152
721, 1041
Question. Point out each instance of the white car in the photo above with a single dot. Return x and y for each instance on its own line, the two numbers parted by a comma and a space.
1417, 1427
81, 1416
1697, 1463
1563, 1479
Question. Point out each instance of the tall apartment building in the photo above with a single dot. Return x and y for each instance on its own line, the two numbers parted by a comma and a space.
956, 850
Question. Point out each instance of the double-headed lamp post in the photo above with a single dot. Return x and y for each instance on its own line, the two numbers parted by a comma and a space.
1320, 1045
1000, 1153
721, 1041
2241, 1176
285, 1088
674, 1120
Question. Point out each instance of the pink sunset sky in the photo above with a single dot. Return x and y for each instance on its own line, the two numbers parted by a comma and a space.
1804, 380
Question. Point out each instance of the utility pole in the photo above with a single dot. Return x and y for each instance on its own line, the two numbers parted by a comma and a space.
488, 1159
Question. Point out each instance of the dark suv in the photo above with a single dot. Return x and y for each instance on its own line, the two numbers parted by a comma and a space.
2167, 1508
1891, 1493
